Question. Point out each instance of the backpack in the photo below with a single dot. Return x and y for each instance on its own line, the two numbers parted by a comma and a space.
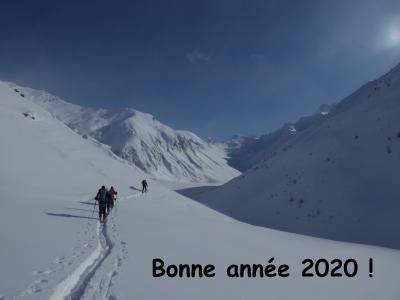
113, 194
101, 195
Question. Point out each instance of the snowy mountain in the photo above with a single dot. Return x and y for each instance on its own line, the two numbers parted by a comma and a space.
53, 247
244, 152
334, 174
141, 139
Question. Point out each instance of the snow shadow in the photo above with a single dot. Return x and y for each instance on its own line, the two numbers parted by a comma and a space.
82, 209
135, 188
368, 233
194, 192
69, 216
88, 203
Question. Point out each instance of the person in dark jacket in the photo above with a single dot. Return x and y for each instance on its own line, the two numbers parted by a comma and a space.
101, 198
144, 186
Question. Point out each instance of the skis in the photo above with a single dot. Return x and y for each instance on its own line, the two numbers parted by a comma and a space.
104, 221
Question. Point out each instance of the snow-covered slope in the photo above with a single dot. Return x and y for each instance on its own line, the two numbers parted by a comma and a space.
337, 176
141, 139
245, 152
52, 246
46, 170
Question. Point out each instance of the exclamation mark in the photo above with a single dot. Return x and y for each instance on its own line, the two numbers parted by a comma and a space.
371, 267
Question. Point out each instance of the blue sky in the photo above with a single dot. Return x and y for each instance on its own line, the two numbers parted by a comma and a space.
214, 67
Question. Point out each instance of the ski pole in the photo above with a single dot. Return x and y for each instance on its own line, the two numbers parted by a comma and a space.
94, 208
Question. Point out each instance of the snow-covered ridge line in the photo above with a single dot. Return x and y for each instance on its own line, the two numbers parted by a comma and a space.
47, 174
335, 177
244, 152
139, 138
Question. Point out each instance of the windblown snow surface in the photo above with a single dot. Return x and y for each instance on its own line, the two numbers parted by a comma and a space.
155, 148
53, 247
336, 176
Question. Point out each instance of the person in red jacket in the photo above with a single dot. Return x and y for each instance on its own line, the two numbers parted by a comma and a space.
112, 197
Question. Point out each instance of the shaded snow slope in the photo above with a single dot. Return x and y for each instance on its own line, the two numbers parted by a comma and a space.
141, 139
52, 246
244, 152
336, 177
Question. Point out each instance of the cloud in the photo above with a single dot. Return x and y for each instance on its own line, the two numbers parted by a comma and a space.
197, 56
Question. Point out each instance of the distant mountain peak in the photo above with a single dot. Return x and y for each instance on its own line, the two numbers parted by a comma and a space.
141, 139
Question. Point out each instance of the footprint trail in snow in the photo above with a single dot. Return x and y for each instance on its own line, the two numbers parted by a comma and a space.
93, 279
96, 256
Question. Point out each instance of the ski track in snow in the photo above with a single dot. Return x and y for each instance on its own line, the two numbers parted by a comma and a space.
92, 278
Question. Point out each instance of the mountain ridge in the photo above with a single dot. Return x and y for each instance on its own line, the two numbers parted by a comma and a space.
141, 139
335, 178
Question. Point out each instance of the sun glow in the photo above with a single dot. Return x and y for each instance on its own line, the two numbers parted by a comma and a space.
393, 38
